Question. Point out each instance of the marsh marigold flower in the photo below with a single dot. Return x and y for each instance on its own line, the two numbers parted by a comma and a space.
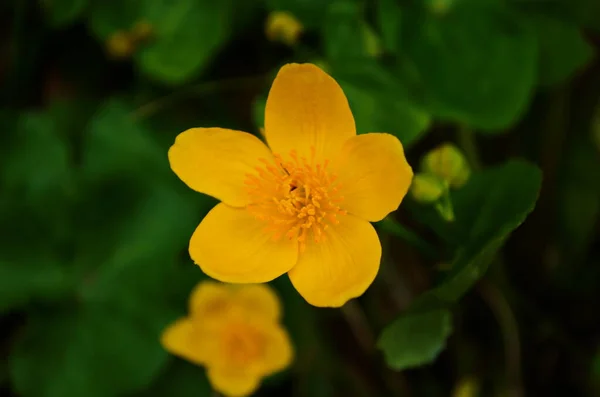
303, 204
234, 332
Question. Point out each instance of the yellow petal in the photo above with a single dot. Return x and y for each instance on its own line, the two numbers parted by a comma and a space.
209, 299
278, 353
307, 108
184, 340
261, 300
232, 383
342, 267
230, 245
373, 174
215, 161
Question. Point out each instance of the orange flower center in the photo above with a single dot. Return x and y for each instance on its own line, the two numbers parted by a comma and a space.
242, 344
297, 198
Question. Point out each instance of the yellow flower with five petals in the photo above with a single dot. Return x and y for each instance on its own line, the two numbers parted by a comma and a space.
301, 205
234, 332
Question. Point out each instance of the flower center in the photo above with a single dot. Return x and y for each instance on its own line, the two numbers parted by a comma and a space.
297, 199
242, 344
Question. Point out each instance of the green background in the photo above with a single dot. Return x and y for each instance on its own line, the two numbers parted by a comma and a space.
94, 226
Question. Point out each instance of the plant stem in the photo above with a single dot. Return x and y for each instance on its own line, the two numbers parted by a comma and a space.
466, 140
389, 225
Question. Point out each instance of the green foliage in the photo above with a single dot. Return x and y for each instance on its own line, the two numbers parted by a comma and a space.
415, 338
476, 60
63, 12
563, 49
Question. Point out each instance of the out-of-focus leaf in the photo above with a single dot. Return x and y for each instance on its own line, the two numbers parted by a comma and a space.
63, 12
389, 21
37, 166
180, 379
311, 13
579, 195
379, 102
488, 208
93, 352
563, 49
477, 61
22, 282
115, 143
188, 33
415, 338
108, 17
584, 13
345, 32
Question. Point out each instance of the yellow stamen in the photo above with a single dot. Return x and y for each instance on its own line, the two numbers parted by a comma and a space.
296, 198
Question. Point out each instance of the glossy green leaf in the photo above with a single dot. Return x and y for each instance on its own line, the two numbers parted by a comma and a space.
115, 142
477, 61
563, 50
487, 209
389, 19
415, 338
188, 34
379, 102
63, 12
93, 352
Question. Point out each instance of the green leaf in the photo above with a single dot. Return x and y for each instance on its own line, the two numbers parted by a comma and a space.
477, 61
563, 50
63, 12
488, 208
188, 34
114, 143
345, 32
37, 166
108, 17
379, 102
181, 379
93, 352
389, 20
415, 339
20, 282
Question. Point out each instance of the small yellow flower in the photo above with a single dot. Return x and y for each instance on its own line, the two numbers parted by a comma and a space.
120, 45
447, 162
234, 332
284, 27
303, 204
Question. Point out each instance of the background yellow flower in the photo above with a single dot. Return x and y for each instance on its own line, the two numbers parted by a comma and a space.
303, 204
234, 332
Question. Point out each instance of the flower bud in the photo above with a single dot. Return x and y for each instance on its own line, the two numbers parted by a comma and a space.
283, 27
120, 45
142, 30
447, 162
427, 188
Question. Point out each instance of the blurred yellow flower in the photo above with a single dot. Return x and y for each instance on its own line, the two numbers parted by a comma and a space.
303, 208
284, 27
120, 45
234, 332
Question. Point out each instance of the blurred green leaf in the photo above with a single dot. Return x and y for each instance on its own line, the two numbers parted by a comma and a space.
584, 13
563, 49
91, 352
477, 61
379, 102
63, 12
188, 34
346, 34
180, 379
108, 17
311, 13
488, 208
22, 282
415, 339
37, 165
115, 143
389, 19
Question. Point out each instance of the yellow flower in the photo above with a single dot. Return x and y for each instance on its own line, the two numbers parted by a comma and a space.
120, 45
234, 332
284, 27
303, 204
